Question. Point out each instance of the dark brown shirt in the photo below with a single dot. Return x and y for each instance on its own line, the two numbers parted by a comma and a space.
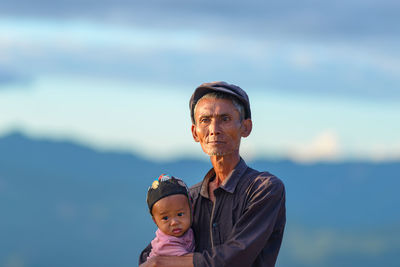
245, 225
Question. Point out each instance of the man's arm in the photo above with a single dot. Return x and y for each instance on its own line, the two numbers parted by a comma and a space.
145, 253
249, 235
169, 261
264, 211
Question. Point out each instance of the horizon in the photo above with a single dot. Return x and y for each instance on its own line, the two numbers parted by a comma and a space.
204, 158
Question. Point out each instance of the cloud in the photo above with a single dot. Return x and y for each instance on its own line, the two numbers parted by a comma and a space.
92, 50
297, 19
381, 152
8, 77
320, 48
324, 146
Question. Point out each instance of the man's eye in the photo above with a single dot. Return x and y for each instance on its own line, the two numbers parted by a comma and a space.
180, 214
165, 218
225, 118
204, 120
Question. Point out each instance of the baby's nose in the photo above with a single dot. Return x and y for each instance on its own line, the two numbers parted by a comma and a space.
174, 221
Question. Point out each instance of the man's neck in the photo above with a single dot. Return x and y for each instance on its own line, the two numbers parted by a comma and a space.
223, 166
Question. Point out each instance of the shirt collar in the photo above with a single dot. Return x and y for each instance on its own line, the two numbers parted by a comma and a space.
230, 183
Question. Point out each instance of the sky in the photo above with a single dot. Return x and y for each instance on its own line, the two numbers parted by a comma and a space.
323, 78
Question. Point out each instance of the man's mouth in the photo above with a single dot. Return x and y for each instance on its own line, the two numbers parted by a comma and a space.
216, 142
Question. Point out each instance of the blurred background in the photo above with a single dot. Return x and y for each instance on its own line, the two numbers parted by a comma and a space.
94, 106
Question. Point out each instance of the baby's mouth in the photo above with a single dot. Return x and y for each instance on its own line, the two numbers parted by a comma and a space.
177, 230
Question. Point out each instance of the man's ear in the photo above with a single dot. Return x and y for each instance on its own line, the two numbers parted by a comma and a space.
247, 126
194, 133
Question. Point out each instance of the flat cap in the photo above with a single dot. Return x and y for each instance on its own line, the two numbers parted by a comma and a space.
223, 87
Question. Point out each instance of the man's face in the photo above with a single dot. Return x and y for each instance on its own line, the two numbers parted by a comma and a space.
218, 127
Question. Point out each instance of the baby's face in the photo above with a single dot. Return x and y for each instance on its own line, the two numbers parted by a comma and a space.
172, 215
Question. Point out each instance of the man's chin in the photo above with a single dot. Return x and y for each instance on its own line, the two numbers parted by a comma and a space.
218, 153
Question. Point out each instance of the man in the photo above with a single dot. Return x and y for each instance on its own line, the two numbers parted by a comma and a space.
239, 213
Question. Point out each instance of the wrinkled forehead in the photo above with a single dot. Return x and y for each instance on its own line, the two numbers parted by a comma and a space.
214, 107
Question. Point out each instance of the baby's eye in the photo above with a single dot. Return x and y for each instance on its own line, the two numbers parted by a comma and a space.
165, 218
180, 214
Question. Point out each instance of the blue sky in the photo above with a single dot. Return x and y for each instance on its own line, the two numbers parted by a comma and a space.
323, 78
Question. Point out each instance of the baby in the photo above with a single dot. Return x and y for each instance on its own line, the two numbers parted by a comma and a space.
170, 207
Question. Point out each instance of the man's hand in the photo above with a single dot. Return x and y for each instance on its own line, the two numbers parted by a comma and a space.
169, 261
152, 262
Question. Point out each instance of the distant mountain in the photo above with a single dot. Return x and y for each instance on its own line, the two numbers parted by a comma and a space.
63, 204
347, 195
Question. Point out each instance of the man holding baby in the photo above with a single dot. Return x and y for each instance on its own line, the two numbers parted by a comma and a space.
239, 213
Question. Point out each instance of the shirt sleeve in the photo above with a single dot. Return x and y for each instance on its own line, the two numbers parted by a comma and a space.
145, 253
265, 206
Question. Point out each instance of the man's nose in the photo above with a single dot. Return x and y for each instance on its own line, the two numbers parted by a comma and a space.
214, 127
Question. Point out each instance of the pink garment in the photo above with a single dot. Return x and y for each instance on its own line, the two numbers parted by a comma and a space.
166, 245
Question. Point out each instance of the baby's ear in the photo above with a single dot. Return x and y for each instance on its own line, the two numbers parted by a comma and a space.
154, 220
